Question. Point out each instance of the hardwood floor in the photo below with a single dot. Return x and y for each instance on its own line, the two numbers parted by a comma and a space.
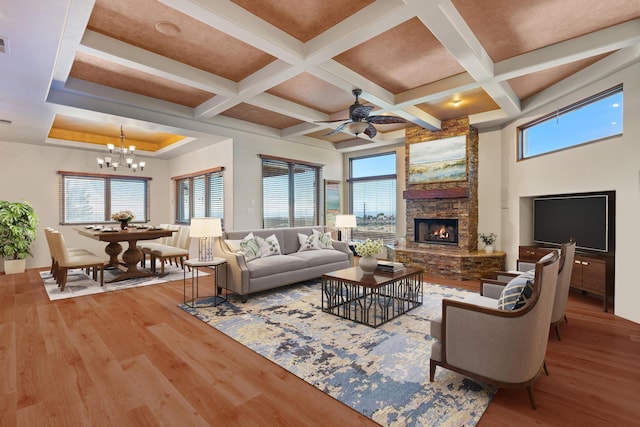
133, 358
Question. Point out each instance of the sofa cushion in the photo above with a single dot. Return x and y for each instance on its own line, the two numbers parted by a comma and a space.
250, 247
324, 240
261, 267
516, 293
308, 242
321, 257
269, 246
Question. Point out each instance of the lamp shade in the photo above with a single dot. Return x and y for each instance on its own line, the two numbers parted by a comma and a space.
346, 221
205, 227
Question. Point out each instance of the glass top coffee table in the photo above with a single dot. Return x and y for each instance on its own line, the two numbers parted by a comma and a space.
371, 300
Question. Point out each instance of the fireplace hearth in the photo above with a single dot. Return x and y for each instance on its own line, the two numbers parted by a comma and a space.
441, 231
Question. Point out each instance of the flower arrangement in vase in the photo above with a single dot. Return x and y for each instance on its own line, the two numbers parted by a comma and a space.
367, 250
123, 217
488, 240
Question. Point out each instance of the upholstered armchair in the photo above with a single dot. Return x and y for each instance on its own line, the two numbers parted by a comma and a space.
504, 347
493, 288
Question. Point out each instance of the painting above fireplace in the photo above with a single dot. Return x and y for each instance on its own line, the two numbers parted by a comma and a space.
442, 231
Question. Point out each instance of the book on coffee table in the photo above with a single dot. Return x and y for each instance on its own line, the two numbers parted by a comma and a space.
389, 266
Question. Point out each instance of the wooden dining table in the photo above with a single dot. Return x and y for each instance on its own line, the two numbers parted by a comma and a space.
132, 256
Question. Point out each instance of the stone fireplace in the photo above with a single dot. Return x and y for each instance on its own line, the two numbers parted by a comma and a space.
442, 217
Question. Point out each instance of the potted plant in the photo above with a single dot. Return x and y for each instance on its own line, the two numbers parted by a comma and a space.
18, 225
488, 240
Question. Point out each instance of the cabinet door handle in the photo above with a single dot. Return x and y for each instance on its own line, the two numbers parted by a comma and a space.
585, 263
577, 262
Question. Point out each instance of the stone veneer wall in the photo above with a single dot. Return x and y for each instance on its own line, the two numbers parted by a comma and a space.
441, 201
453, 199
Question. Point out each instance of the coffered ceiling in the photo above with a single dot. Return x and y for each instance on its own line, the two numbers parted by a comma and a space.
175, 70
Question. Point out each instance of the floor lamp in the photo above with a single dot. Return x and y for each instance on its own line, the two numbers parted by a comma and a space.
205, 229
344, 224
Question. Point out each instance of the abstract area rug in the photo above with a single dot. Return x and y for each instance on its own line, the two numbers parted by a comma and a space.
382, 373
80, 284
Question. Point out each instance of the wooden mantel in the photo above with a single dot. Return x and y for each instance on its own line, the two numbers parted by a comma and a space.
438, 193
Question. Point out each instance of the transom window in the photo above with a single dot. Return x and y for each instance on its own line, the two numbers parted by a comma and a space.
200, 195
591, 119
372, 189
92, 198
290, 193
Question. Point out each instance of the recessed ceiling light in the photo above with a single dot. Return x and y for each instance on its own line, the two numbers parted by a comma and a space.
168, 28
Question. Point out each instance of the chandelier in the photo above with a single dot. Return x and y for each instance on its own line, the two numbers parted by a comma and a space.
121, 155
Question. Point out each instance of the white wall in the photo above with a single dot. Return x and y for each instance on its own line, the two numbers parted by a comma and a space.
29, 172
490, 195
612, 164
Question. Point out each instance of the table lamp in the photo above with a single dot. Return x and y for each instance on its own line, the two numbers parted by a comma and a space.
205, 229
344, 224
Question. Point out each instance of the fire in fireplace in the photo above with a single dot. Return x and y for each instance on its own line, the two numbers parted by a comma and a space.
442, 231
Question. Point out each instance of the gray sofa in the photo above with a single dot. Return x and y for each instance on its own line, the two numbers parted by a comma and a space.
245, 277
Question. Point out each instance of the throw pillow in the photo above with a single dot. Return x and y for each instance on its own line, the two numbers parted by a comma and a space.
234, 245
517, 293
324, 240
269, 246
250, 247
308, 243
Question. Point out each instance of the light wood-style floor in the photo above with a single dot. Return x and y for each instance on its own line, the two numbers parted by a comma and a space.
133, 358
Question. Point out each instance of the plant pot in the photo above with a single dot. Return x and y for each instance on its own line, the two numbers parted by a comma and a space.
368, 265
488, 249
124, 225
14, 266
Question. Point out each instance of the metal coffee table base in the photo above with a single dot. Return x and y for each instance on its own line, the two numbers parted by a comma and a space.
370, 303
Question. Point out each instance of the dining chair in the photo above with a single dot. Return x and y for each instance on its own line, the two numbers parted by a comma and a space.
64, 261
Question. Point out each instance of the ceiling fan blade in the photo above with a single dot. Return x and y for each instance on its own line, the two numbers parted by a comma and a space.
329, 121
360, 112
338, 129
370, 131
383, 120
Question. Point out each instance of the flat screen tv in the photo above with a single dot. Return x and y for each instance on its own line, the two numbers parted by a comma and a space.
585, 217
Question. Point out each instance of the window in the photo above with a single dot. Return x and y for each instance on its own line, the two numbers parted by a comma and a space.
591, 119
200, 195
372, 190
290, 193
91, 198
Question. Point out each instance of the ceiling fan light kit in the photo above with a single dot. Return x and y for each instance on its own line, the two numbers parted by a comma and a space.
360, 121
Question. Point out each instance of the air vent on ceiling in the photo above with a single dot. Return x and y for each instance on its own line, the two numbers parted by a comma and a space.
5, 122
4, 45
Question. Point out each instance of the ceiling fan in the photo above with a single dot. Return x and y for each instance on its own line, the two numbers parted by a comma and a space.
360, 121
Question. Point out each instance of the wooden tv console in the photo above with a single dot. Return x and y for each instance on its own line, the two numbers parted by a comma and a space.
592, 274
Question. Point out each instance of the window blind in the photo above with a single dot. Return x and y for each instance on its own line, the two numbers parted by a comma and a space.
90, 199
372, 200
200, 195
290, 193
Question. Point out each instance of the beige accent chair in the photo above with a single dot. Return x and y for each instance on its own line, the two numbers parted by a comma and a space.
65, 260
492, 288
503, 348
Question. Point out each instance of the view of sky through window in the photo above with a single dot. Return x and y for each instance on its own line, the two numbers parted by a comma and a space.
592, 121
